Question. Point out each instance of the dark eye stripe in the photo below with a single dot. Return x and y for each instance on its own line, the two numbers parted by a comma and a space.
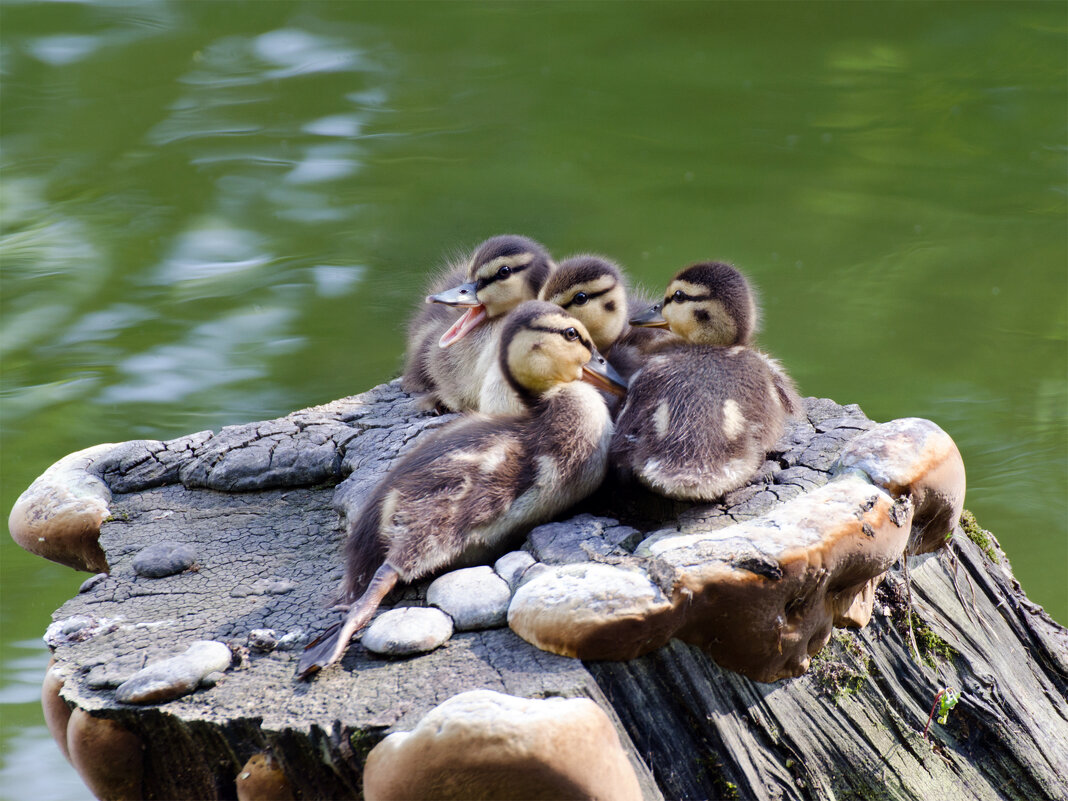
686, 297
561, 331
484, 282
589, 296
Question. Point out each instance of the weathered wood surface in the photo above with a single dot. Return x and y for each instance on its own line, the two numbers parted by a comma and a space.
268, 558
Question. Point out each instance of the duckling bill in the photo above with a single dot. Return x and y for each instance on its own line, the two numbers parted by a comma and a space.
703, 411
462, 494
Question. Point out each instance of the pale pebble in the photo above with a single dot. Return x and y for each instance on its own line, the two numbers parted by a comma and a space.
474, 597
408, 630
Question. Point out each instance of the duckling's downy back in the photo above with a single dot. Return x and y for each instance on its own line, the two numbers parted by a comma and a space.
702, 413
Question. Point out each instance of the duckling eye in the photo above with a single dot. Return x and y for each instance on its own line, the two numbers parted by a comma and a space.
580, 299
571, 334
679, 296
504, 272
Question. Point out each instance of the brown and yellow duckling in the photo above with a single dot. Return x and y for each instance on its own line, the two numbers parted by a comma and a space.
449, 355
701, 414
461, 494
593, 289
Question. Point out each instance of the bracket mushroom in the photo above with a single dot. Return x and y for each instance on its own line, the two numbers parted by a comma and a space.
761, 597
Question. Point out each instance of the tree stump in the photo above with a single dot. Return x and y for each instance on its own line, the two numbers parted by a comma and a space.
235, 538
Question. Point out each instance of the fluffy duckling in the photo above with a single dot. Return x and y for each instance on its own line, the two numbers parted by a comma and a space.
460, 495
701, 415
449, 355
593, 289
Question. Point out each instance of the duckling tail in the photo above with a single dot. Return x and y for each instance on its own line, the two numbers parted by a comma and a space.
328, 647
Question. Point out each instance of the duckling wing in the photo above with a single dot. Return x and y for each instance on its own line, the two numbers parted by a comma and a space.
452, 496
789, 397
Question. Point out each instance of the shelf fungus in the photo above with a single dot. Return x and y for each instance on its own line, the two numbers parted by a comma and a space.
59, 515
913, 458
485, 744
761, 596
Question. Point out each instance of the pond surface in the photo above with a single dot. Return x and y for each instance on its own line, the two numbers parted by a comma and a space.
221, 212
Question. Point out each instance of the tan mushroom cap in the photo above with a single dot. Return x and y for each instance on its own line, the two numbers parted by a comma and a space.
107, 755
913, 457
56, 709
761, 597
262, 778
59, 515
487, 745
593, 611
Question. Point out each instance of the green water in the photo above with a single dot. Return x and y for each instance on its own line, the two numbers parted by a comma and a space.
220, 212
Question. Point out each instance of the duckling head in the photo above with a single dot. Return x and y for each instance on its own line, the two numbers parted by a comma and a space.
709, 303
544, 347
503, 272
591, 289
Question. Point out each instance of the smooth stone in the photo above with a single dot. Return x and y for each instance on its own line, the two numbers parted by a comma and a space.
512, 566
474, 597
408, 630
262, 640
174, 677
264, 587
532, 573
164, 559
291, 640
91, 582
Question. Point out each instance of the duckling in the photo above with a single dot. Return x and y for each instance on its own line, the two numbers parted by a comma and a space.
701, 414
571, 285
502, 273
592, 288
462, 494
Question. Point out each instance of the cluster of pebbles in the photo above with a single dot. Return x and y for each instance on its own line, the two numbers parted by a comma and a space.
426, 617
473, 598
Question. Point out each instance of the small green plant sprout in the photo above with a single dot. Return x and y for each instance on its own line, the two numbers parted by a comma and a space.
944, 701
